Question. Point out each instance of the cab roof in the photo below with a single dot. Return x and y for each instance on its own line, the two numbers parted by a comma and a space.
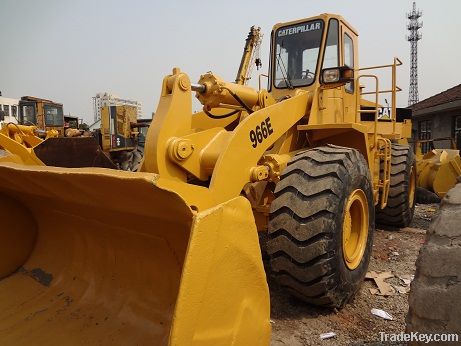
324, 16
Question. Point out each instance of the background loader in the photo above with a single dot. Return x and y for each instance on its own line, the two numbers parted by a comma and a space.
31, 146
305, 161
115, 145
44, 114
438, 169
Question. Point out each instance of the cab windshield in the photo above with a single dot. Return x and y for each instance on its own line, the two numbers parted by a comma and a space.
53, 115
296, 52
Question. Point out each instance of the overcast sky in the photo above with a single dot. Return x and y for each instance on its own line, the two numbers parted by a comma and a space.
69, 50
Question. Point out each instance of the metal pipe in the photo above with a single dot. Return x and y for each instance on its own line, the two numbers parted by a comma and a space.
394, 96
382, 91
201, 88
359, 111
398, 63
262, 75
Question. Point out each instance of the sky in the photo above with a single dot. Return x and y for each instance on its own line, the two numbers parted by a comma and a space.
67, 50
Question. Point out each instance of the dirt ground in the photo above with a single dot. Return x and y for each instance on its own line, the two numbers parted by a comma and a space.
296, 323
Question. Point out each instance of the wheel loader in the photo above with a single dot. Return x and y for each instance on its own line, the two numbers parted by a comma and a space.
170, 254
114, 145
29, 145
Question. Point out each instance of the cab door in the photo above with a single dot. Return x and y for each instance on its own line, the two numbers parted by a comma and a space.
27, 113
349, 57
332, 100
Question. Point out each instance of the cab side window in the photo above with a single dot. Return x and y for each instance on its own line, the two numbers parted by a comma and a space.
348, 58
330, 57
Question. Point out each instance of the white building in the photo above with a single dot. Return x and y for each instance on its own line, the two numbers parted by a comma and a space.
10, 108
107, 99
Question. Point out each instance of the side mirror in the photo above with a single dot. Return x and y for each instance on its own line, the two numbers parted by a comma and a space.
334, 77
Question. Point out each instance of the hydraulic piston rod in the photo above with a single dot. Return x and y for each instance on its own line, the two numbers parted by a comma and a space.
212, 91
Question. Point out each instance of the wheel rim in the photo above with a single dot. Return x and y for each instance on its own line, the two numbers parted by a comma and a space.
412, 188
355, 228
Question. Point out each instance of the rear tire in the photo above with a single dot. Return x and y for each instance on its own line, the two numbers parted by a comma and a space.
129, 160
401, 200
305, 238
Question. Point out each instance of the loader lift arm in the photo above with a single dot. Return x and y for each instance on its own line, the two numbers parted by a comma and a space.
240, 150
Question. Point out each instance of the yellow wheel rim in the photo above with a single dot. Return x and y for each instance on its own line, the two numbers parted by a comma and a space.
412, 188
355, 228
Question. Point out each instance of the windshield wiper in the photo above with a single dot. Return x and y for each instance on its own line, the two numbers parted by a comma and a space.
284, 71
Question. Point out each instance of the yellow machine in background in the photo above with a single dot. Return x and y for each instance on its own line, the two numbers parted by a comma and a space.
31, 146
119, 136
170, 254
19, 141
47, 116
44, 114
117, 148
250, 56
438, 170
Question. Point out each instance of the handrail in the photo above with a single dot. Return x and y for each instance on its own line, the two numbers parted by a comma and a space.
259, 79
394, 88
394, 91
397, 62
385, 182
382, 91
375, 111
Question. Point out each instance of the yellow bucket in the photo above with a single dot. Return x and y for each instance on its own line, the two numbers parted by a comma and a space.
96, 256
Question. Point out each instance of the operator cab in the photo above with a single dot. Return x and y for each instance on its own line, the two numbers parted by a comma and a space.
44, 114
316, 50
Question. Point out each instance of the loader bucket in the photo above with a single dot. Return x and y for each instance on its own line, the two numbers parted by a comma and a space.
438, 170
72, 152
103, 257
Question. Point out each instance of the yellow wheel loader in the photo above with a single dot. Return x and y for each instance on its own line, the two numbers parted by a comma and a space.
38, 119
31, 146
114, 146
170, 254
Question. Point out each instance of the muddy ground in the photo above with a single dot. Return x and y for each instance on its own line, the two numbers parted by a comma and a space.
296, 323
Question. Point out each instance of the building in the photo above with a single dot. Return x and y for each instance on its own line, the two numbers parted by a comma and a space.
107, 99
439, 116
9, 107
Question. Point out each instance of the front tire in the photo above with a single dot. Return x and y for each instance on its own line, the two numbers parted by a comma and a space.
321, 225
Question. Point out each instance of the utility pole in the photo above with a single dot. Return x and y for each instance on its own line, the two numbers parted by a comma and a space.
413, 38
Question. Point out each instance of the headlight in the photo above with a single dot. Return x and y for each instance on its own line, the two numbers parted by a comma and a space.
334, 77
331, 75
